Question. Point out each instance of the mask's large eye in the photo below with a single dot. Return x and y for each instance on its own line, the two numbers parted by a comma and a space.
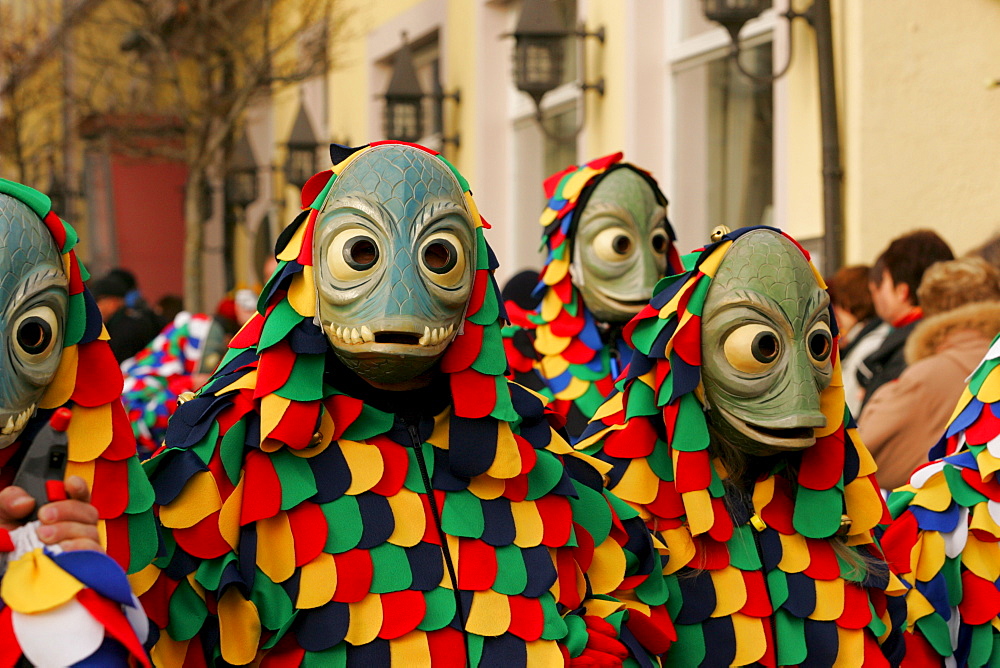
820, 342
442, 259
613, 244
353, 254
659, 241
35, 334
752, 348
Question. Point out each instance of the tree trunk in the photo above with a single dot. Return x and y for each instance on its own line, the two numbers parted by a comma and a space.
193, 240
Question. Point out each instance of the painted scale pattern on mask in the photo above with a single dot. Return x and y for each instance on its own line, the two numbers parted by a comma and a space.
756, 580
945, 539
47, 595
561, 341
289, 547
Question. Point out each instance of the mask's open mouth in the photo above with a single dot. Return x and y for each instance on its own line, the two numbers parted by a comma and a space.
11, 427
790, 438
363, 339
401, 338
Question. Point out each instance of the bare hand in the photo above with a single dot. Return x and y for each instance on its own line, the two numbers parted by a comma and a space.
72, 524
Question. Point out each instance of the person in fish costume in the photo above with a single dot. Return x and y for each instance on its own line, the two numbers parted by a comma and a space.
176, 361
608, 241
730, 435
944, 540
359, 484
64, 596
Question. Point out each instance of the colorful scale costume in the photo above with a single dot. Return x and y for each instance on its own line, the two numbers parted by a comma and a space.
717, 437
312, 519
65, 608
162, 371
601, 265
945, 539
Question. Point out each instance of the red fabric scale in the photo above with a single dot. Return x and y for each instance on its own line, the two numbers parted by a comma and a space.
309, 527
636, 441
709, 554
856, 614
584, 551
430, 529
156, 600
203, 540
249, 334
10, 651
527, 453
564, 290
402, 611
693, 472
118, 547
566, 325
578, 352
464, 349
477, 565
56, 229
567, 573
722, 528
475, 394
516, 488
354, 575
447, 648
980, 599
823, 464
274, 368
222, 483
985, 428
297, 424
557, 516
480, 284
898, 542
778, 512
395, 464
96, 389
106, 495
122, 444
527, 619
654, 631
687, 341
823, 564
344, 410
110, 614
263, 498
668, 503
75, 278
314, 186
919, 653
305, 257
758, 600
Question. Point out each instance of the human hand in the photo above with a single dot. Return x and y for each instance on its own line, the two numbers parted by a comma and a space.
70, 523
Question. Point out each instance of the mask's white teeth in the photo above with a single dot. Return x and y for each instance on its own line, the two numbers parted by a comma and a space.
425, 340
355, 336
340, 332
439, 337
366, 334
451, 328
9, 427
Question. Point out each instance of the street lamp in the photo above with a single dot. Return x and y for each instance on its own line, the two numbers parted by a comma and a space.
732, 15
539, 50
300, 162
241, 181
404, 109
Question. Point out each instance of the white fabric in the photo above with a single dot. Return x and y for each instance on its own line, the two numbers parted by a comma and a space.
60, 637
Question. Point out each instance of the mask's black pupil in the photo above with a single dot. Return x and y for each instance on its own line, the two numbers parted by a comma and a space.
764, 347
34, 335
360, 253
820, 346
440, 256
621, 244
659, 243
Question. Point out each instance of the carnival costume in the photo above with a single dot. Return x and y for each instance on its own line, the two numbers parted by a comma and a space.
608, 241
65, 608
730, 436
163, 370
317, 512
945, 539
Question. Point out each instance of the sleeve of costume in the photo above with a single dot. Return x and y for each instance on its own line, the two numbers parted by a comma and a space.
944, 541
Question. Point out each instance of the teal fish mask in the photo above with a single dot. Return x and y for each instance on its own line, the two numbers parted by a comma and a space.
33, 296
766, 347
621, 244
395, 250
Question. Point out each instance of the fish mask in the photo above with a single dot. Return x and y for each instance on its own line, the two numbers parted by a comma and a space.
395, 250
33, 296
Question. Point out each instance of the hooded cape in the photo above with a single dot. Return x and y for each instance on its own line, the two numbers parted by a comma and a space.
559, 348
945, 539
298, 526
82, 597
755, 577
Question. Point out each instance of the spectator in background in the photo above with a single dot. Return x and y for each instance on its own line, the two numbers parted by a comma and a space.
167, 307
905, 418
893, 283
129, 322
861, 330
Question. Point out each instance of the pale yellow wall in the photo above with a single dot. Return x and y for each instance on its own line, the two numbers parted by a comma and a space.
605, 133
922, 128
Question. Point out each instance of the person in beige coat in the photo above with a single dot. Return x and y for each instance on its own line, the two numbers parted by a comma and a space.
906, 417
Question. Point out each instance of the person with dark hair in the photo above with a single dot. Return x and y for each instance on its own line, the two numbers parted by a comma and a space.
129, 322
893, 282
904, 418
861, 330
